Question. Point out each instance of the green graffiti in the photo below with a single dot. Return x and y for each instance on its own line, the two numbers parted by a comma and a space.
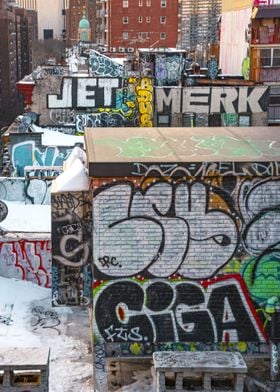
263, 278
222, 146
226, 146
137, 147
246, 68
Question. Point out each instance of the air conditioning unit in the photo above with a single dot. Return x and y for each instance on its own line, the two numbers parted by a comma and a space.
130, 50
121, 49
112, 50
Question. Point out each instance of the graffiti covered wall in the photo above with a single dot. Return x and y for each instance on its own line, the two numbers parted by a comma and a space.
103, 102
29, 191
184, 262
212, 99
71, 248
26, 259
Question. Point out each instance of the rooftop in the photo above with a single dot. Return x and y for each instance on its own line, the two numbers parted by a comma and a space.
113, 151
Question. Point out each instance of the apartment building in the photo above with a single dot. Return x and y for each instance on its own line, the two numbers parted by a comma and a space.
51, 16
198, 23
126, 25
17, 30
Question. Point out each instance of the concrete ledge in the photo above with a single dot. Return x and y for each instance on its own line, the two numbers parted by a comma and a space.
205, 369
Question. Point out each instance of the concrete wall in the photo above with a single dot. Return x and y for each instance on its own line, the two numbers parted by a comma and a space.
71, 248
50, 18
185, 262
132, 102
28, 150
27, 258
27, 191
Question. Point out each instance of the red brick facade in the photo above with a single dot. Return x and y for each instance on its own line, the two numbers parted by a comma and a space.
142, 23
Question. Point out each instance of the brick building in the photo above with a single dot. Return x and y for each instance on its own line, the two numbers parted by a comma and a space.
176, 253
51, 20
137, 24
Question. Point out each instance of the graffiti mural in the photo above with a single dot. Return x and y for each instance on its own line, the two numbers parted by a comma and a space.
71, 244
27, 260
161, 231
85, 93
157, 233
176, 311
185, 258
168, 69
101, 65
28, 154
62, 116
212, 99
144, 91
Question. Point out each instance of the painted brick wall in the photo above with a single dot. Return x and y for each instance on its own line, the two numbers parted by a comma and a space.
26, 259
184, 263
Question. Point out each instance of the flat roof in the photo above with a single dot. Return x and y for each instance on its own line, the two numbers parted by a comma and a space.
112, 151
269, 12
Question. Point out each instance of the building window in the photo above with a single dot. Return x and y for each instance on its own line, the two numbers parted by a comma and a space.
125, 3
148, 3
163, 19
270, 57
163, 3
140, 36
148, 19
162, 35
125, 35
125, 19
140, 3
48, 33
140, 19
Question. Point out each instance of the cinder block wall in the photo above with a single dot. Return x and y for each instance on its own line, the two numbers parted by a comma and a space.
185, 262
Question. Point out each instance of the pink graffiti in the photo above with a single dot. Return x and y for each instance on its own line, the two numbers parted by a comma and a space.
27, 260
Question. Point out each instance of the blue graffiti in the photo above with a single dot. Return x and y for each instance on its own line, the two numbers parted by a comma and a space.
26, 154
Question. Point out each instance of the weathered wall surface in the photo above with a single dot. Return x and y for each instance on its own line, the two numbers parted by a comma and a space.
29, 151
131, 102
26, 259
228, 102
28, 191
183, 262
71, 248
95, 102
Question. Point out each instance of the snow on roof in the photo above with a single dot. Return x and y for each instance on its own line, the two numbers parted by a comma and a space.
54, 138
75, 177
32, 322
28, 218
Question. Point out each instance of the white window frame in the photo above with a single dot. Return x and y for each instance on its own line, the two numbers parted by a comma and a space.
125, 19
271, 58
162, 35
162, 19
